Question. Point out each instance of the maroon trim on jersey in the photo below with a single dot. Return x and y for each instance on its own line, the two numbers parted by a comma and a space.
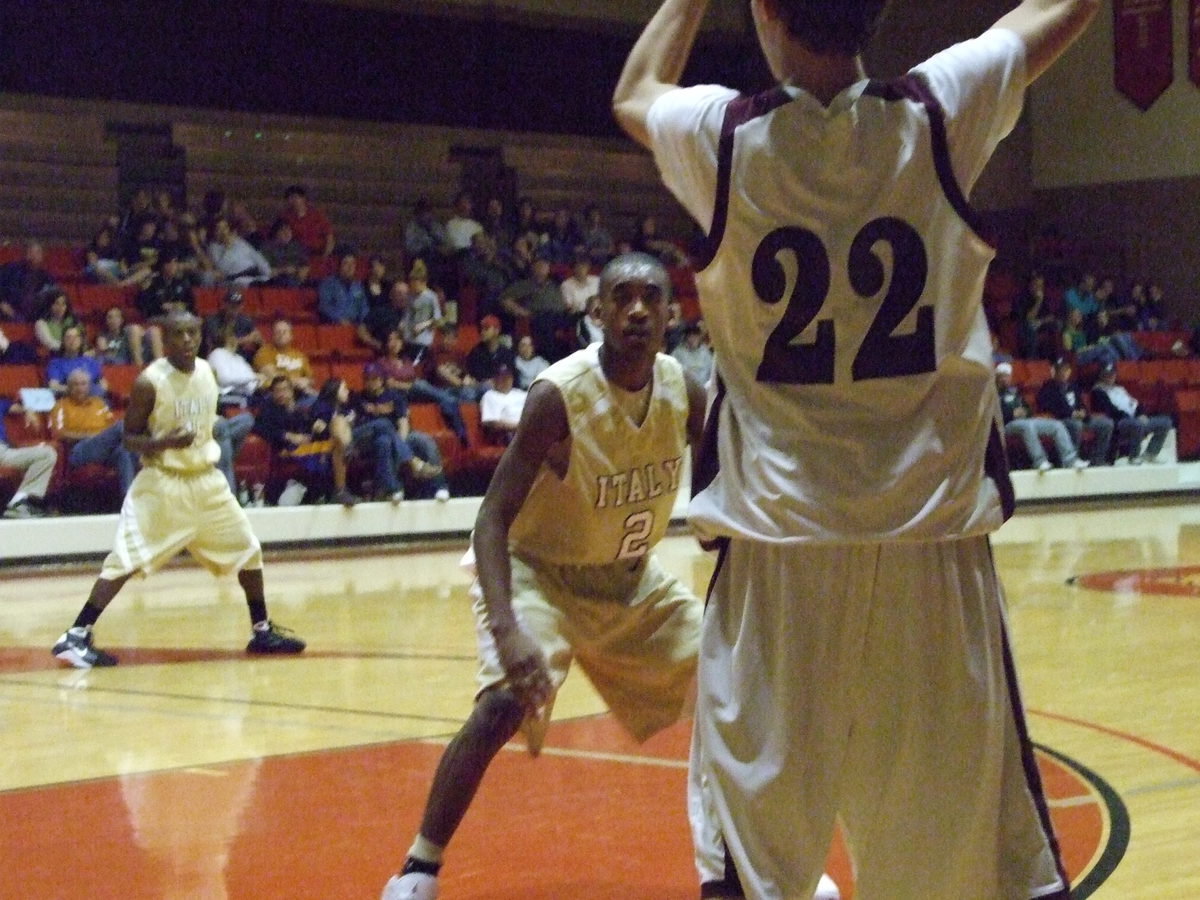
707, 460
737, 113
995, 467
910, 87
1033, 778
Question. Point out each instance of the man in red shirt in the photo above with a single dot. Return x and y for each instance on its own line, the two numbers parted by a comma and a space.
310, 227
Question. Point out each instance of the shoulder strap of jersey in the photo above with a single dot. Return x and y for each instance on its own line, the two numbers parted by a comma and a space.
737, 113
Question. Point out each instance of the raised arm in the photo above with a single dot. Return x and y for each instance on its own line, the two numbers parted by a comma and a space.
656, 63
1048, 27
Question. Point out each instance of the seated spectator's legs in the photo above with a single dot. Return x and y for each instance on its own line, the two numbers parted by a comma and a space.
1100, 354
1159, 427
1027, 432
106, 448
1130, 433
424, 447
230, 434
423, 391
36, 465
1058, 433
380, 438
1102, 432
1126, 346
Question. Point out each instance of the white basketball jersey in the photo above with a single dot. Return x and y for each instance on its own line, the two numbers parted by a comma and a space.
616, 498
841, 285
184, 400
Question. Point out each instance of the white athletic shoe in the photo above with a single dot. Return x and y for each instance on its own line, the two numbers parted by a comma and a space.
1080, 463
442, 495
827, 889
1045, 465
415, 886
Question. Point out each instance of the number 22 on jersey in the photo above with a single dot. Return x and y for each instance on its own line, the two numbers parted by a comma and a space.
882, 353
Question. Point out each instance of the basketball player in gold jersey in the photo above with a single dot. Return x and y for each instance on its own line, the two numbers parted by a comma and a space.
563, 545
178, 500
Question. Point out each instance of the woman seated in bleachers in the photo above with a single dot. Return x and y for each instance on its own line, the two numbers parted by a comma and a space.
55, 318
119, 343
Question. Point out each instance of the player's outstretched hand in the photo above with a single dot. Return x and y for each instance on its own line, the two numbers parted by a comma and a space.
525, 665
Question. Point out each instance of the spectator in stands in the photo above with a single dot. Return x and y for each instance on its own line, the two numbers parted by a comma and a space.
23, 285
448, 369
1132, 425
286, 255
244, 224
1061, 398
383, 319
695, 355
425, 238
188, 246
169, 290
591, 327
1122, 311
70, 358
424, 313
597, 239
88, 429
1103, 330
646, 239
295, 432
215, 205
497, 223
237, 380
231, 317
102, 262
1082, 296
563, 240
55, 318
405, 367
462, 225
282, 357
130, 220
1019, 420
518, 259
539, 300
341, 297
1040, 326
528, 365
526, 226
414, 452
486, 273
139, 251
1075, 342
163, 207
310, 226
16, 353
119, 343
234, 260
490, 353
581, 286
500, 408
35, 463
1153, 316
377, 284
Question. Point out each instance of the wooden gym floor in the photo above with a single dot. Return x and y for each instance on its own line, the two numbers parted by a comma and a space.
191, 771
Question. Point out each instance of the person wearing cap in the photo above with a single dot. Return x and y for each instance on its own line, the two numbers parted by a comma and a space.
230, 317
1132, 425
1019, 420
490, 353
500, 408
1061, 398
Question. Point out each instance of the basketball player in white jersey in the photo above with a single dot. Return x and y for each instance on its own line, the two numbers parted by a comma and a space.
564, 545
179, 500
854, 660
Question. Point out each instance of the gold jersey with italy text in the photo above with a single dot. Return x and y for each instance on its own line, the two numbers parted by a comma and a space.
184, 400
615, 500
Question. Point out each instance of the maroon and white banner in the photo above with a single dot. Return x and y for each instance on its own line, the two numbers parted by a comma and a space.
1194, 42
1142, 51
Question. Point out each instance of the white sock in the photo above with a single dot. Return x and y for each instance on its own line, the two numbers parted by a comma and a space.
427, 851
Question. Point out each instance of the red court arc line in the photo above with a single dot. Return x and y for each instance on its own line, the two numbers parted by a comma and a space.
1175, 755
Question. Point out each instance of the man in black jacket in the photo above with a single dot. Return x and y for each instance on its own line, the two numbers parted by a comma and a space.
1132, 424
1061, 397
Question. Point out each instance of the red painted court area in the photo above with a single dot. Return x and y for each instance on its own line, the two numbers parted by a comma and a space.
595, 818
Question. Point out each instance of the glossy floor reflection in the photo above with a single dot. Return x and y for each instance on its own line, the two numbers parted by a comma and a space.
191, 771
